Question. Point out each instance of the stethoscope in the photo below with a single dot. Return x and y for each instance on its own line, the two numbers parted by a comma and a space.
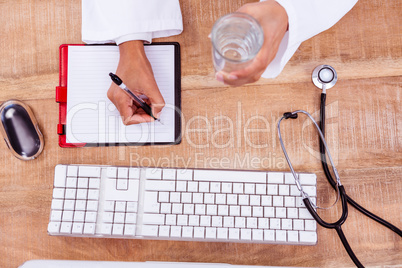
325, 77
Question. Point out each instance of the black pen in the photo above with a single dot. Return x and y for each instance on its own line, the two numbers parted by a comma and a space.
147, 109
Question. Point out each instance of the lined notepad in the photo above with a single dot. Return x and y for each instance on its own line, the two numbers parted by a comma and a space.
93, 118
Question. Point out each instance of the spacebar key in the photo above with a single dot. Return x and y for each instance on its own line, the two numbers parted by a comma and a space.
230, 176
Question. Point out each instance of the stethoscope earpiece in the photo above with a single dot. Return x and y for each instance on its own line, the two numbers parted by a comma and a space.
324, 77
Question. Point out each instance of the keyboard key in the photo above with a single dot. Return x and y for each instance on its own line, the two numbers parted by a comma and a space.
181, 186
228, 221
150, 202
210, 232
164, 231
69, 204
275, 177
261, 189
184, 174
205, 221
92, 205
293, 236
82, 182
200, 209
274, 224
171, 219
269, 212
169, 174
132, 206
273, 189
280, 212
215, 187
240, 222
68, 215
187, 232
251, 223
310, 225
82, 193
160, 185
308, 237
277, 201
234, 210
226, 187
131, 218
177, 208
194, 220
289, 178
94, 183
88, 171
203, 187
78, 228
234, 234
255, 200
298, 225
79, 216
222, 233
266, 201
245, 211
57, 204
280, 235
244, 200
216, 221
245, 234
269, 235
71, 182
93, 194
153, 173
58, 193
249, 188
237, 188
263, 223
89, 228
163, 197
283, 189
175, 231
129, 230
209, 199
223, 210
257, 235
90, 216
304, 214
153, 219
120, 206
106, 229
166, 208
60, 173
55, 215
117, 229
192, 186
119, 217
111, 172
72, 171
258, 212
286, 224
220, 199
199, 232
229, 176
150, 230
71, 193
65, 227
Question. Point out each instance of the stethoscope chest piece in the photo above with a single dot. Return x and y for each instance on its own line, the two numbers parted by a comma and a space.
324, 77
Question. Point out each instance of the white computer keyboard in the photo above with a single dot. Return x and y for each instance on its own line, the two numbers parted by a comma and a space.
181, 204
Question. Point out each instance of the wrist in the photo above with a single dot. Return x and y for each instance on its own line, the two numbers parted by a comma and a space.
132, 49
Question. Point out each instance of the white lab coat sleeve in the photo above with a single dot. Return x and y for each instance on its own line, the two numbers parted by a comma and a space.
306, 19
105, 21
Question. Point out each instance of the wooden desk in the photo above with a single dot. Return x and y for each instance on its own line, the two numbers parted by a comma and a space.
364, 134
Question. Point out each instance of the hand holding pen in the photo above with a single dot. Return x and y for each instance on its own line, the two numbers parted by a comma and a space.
136, 72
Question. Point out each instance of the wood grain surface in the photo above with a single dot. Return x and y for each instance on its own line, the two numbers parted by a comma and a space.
237, 130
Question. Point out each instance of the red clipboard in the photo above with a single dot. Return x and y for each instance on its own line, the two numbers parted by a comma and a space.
61, 98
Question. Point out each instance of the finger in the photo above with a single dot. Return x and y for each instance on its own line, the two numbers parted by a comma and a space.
138, 118
156, 99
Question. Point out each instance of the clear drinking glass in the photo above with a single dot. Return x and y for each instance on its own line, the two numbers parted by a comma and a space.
236, 40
